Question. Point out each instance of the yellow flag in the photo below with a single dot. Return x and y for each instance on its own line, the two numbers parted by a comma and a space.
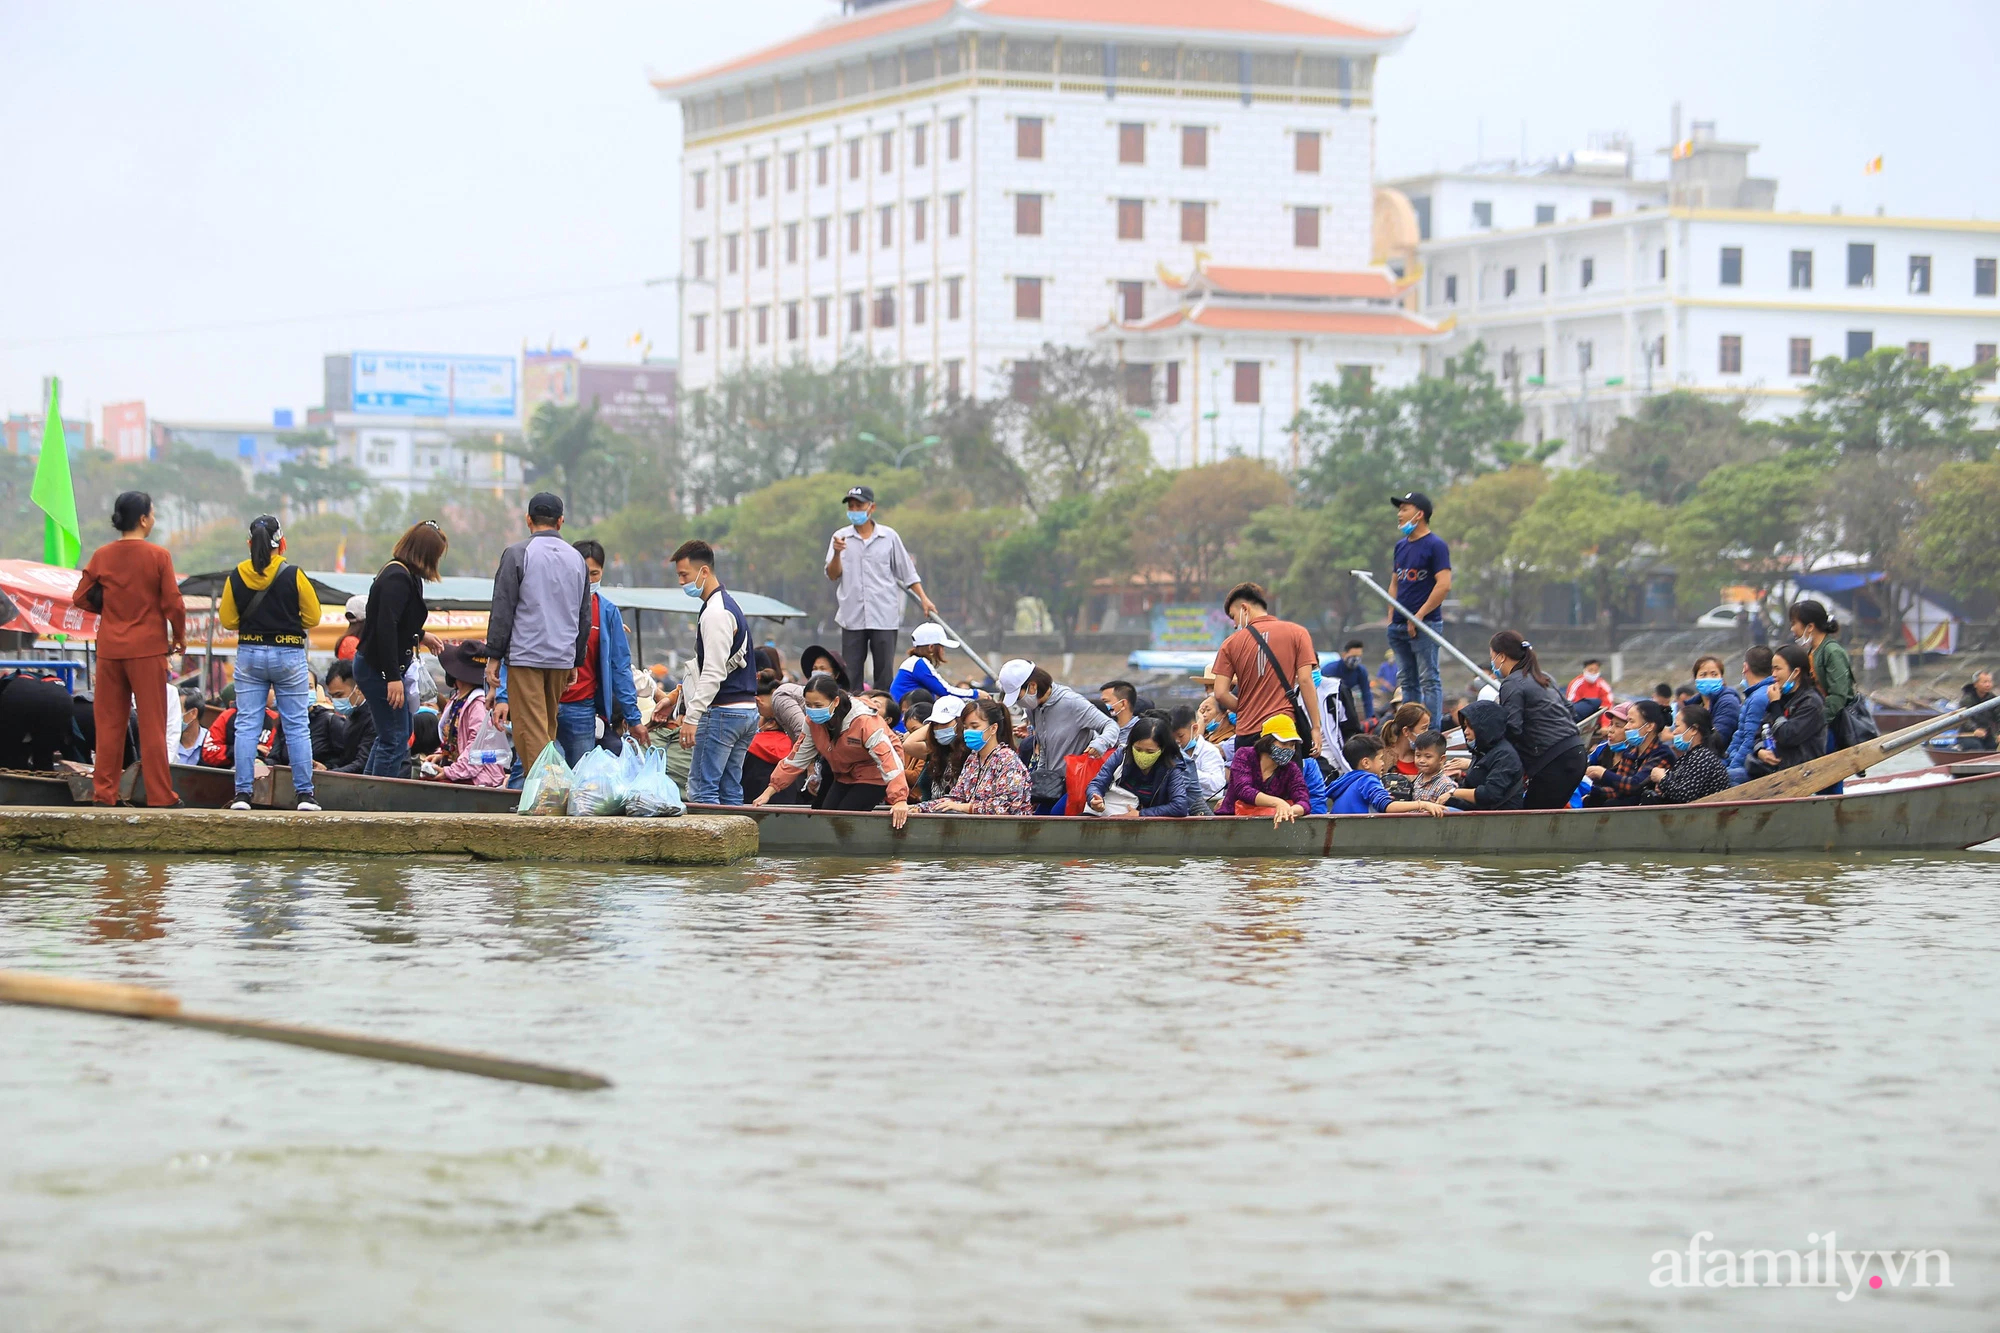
1874, 167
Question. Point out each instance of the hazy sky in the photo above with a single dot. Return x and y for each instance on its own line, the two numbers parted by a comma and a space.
203, 198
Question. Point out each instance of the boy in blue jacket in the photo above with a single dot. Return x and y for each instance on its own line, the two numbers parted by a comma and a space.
1756, 699
1360, 791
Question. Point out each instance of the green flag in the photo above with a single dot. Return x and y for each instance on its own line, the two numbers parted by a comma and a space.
62, 539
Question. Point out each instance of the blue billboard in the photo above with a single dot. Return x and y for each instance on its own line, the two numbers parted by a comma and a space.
414, 384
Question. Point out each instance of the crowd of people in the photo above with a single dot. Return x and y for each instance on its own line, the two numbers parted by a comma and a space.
1276, 733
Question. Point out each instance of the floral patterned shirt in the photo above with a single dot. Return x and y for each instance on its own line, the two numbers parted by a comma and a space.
996, 784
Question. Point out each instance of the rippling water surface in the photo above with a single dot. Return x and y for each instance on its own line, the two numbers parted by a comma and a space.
986, 1094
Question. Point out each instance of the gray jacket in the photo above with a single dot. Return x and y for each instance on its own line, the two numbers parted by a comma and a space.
541, 605
1066, 723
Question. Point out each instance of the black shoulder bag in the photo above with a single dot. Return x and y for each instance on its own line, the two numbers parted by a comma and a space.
1300, 717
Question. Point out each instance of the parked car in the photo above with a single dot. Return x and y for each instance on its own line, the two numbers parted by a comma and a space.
1727, 616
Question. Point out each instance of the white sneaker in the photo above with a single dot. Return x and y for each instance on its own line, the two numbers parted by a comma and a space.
310, 807
239, 804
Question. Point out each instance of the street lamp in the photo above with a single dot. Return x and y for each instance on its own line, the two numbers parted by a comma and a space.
899, 452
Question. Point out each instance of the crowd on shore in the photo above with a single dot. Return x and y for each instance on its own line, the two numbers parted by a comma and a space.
1278, 732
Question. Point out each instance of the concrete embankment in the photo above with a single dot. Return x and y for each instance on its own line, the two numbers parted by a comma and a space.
689, 840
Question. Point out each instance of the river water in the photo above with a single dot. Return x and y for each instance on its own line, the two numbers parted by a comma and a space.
1004, 1094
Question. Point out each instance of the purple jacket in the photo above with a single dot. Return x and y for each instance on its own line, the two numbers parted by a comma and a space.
1246, 780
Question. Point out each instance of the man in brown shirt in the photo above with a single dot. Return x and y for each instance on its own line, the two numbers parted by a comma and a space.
130, 584
1244, 680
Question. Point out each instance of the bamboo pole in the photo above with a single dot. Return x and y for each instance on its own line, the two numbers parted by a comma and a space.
1818, 774
1368, 581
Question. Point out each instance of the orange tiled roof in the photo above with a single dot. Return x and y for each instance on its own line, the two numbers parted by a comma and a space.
1235, 319
868, 23
1367, 284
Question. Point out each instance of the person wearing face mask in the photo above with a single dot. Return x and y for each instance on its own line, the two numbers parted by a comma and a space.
603, 688
932, 748
1697, 769
1211, 770
1148, 777
1266, 668
1832, 669
1496, 779
1265, 778
1589, 692
1750, 719
720, 699
1724, 705
1796, 714
357, 736
1065, 724
1539, 723
1634, 745
991, 779
1421, 582
1357, 697
864, 762
1120, 700
870, 565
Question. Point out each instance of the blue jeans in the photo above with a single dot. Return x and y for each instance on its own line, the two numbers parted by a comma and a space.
576, 730
263, 670
721, 743
1417, 664
391, 756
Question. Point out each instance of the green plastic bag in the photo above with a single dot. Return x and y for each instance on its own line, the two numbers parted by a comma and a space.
546, 790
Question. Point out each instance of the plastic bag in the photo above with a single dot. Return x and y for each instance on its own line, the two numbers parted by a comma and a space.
655, 793
490, 745
547, 786
596, 788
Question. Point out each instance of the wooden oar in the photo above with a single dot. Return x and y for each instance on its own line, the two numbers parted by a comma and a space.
103, 997
1818, 774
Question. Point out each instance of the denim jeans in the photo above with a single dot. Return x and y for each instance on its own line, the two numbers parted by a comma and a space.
1417, 664
576, 730
391, 756
721, 743
263, 670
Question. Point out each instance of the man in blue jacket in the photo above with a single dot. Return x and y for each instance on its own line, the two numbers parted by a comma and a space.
1756, 675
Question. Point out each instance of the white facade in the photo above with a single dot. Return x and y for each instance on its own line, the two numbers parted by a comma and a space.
1454, 204
1728, 302
415, 454
978, 197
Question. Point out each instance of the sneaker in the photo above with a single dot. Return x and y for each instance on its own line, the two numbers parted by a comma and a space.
309, 805
240, 803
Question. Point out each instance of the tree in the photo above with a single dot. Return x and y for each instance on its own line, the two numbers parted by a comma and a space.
1303, 555
1480, 515
1584, 529
1071, 427
1675, 440
1748, 522
304, 484
763, 424
1198, 519
569, 448
1958, 532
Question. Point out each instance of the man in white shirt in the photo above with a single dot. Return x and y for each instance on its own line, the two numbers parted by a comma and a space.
720, 695
872, 568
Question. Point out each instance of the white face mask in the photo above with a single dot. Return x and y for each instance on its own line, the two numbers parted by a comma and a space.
595, 584
1590, 676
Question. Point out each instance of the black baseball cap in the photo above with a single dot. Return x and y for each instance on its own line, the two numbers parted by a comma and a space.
865, 494
546, 504
1417, 498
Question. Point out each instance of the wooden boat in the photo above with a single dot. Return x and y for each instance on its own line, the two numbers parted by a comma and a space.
1947, 816
213, 788
29, 787
1951, 754
1895, 719
353, 791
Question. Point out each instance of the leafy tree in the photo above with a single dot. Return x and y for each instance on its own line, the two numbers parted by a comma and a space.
1480, 515
1189, 531
763, 424
1071, 427
1303, 555
304, 485
1675, 440
1747, 522
1958, 532
567, 447
1584, 529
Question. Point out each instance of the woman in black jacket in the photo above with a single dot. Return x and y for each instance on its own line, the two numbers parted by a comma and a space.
1697, 770
1494, 781
1796, 715
1539, 723
389, 637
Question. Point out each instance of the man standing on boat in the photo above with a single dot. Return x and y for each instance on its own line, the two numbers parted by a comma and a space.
1420, 584
540, 627
720, 696
872, 568
1266, 669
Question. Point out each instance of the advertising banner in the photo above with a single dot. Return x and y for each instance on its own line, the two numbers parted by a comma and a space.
407, 384
1189, 628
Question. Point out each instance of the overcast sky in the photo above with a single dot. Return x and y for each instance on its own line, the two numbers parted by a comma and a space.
204, 198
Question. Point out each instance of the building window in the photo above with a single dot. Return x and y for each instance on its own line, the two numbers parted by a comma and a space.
701, 258
791, 171
729, 329
1859, 344
1919, 352
729, 252
701, 189
885, 308
951, 139
951, 372
1027, 385
1027, 298
1305, 151
763, 235
1482, 213
1801, 270
822, 235
1983, 363
1305, 228
822, 158
951, 209
1028, 137
1801, 356
1027, 215
822, 315
1173, 382
917, 211
854, 232
1358, 381
1663, 263
1586, 356
1860, 265
1920, 275
792, 321
1544, 280
763, 325
855, 312
1541, 363
917, 133
1131, 219
1131, 301
1138, 377
854, 159
917, 383
1507, 283
763, 167
952, 287
1194, 145
887, 214
729, 182
701, 333
888, 138
1731, 360
1249, 381
791, 242
1132, 143
1983, 277
1545, 215
1588, 273
1451, 289
1600, 208
1194, 222
918, 312
1732, 266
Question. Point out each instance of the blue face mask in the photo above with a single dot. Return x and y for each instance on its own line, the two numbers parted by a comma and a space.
857, 516
1494, 662
1709, 686
1189, 748
944, 735
1790, 685
692, 589
1317, 682
1232, 719
1407, 528
1682, 743
1617, 746
975, 741
819, 715
341, 705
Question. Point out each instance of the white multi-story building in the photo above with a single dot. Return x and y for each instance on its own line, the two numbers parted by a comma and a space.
1584, 318
949, 185
1593, 183
416, 421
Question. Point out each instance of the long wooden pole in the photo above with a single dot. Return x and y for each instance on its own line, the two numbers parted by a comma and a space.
102, 997
1368, 581
1818, 774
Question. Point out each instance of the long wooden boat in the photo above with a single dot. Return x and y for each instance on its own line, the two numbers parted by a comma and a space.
1946, 816
1951, 754
353, 791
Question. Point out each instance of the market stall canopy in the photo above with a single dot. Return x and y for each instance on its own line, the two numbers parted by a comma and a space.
40, 595
464, 594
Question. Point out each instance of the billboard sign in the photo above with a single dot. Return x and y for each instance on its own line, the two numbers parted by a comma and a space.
406, 384
629, 398
1189, 628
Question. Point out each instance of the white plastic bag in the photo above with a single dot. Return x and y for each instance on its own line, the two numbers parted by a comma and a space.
595, 791
490, 745
547, 787
655, 793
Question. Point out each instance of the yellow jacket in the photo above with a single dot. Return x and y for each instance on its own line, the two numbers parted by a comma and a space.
309, 608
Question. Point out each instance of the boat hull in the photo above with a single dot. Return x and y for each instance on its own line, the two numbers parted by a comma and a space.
1947, 816
353, 791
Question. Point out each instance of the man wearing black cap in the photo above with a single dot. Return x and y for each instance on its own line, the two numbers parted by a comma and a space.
1421, 582
867, 559
540, 627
